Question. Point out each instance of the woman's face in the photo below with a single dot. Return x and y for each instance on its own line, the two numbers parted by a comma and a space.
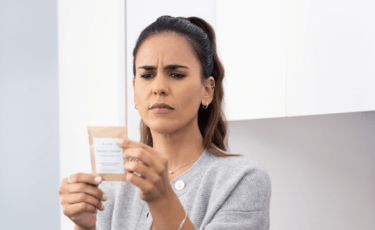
168, 71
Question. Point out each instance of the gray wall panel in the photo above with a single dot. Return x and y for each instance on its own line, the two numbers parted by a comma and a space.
29, 158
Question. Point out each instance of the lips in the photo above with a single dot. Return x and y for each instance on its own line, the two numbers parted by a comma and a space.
161, 105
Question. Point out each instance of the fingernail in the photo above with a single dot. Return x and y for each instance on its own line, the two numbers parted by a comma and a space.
102, 207
98, 179
119, 142
105, 197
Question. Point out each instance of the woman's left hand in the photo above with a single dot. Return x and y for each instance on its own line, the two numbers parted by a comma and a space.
152, 166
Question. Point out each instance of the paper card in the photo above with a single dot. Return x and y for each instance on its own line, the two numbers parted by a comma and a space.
106, 156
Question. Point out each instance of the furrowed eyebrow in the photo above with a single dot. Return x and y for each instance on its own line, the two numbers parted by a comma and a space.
150, 67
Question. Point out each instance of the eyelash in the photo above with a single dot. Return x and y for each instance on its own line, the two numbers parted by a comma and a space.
180, 75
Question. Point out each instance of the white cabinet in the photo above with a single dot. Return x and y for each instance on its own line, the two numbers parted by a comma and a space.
252, 45
297, 57
330, 56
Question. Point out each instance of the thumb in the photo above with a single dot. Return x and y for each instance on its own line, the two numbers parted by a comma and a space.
98, 178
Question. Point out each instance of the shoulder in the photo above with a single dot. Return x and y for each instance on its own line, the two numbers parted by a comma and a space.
238, 166
241, 180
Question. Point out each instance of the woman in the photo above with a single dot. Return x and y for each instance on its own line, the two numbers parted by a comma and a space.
181, 177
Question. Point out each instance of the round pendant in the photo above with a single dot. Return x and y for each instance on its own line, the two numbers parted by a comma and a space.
170, 172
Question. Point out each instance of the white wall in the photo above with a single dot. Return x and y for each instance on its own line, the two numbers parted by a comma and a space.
322, 168
29, 158
91, 38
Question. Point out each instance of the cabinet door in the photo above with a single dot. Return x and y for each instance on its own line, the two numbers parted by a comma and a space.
330, 56
139, 14
252, 45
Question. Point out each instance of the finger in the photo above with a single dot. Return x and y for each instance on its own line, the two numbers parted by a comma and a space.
145, 171
73, 209
141, 155
127, 143
93, 179
161, 161
82, 198
88, 189
140, 182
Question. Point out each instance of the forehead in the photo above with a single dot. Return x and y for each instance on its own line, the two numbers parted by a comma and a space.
169, 48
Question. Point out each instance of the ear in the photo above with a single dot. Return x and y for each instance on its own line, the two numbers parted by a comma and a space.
134, 91
208, 90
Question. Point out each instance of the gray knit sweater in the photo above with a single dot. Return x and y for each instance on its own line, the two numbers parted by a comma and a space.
231, 193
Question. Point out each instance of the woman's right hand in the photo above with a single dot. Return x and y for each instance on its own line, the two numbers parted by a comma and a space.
81, 199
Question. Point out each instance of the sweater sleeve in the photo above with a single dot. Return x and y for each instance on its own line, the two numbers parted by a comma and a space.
244, 201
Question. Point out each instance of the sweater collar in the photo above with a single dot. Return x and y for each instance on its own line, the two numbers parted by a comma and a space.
192, 174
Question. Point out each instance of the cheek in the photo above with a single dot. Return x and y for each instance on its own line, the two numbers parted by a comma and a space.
141, 102
139, 92
190, 98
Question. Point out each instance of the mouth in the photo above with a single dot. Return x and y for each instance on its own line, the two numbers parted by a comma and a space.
160, 106
161, 110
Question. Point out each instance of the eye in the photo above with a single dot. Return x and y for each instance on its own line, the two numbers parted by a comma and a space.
176, 75
146, 76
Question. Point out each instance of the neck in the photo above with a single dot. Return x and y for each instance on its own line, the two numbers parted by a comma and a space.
180, 147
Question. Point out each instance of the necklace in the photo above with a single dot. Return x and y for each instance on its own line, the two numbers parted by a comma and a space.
170, 172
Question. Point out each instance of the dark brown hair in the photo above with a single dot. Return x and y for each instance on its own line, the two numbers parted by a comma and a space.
201, 36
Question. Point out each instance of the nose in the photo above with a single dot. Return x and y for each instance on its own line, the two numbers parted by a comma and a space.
160, 84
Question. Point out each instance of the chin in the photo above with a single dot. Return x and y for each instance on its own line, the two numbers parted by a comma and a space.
162, 130
163, 127
160, 125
